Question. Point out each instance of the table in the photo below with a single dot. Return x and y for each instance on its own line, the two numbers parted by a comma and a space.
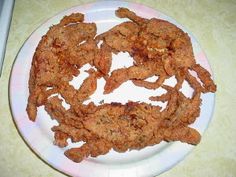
211, 22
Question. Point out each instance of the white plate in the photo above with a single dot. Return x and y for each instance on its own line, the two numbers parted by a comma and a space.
149, 161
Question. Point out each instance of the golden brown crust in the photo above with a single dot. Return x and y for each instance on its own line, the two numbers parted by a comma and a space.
158, 48
205, 78
126, 13
151, 85
103, 59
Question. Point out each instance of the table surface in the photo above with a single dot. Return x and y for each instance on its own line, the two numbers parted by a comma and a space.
211, 22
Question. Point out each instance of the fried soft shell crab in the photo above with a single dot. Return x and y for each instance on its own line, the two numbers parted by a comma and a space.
158, 48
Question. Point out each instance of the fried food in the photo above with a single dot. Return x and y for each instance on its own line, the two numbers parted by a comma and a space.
135, 73
50, 65
151, 85
122, 37
103, 59
126, 13
205, 78
158, 48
